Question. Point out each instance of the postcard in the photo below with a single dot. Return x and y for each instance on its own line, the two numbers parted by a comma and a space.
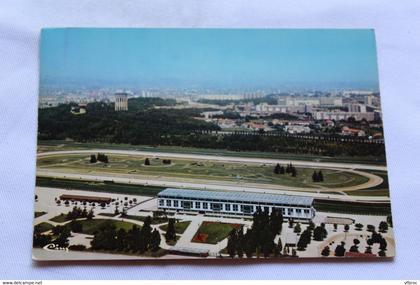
210, 144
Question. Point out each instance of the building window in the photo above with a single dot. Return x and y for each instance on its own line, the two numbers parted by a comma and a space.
298, 211
227, 207
168, 203
247, 209
216, 206
283, 210
186, 204
176, 204
289, 211
235, 208
306, 211
161, 202
205, 205
198, 205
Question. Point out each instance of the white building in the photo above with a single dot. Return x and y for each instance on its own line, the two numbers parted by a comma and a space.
340, 115
234, 203
297, 129
121, 101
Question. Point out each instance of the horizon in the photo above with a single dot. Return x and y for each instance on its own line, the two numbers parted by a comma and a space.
209, 58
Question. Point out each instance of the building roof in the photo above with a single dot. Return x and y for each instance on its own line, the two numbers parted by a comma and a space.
85, 198
237, 196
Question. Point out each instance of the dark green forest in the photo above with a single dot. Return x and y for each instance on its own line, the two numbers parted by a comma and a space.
144, 125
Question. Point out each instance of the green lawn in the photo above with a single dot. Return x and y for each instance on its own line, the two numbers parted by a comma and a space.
39, 214
180, 227
60, 218
43, 227
107, 214
353, 208
192, 169
157, 220
213, 232
91, 226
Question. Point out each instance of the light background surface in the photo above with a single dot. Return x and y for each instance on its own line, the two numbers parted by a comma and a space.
397, 25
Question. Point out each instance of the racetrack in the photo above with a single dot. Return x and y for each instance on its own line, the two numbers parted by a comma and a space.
373, 181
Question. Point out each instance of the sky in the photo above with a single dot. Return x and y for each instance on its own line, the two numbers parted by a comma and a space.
209, 58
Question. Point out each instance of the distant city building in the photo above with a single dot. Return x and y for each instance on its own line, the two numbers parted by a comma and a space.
369, 100
210, 114
121, 101
297, 129
234, 203
340, 115
346, 131
357, 108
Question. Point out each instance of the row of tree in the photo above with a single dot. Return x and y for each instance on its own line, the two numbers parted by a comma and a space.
136, 240
78, 213
259, 239
317, 176
100, 157
289, 169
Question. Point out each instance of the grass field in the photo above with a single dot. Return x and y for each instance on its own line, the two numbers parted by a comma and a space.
68, 145
43, 227
352, 208
91, 226
60, 218
39, 214
199, 169
99, 186
180, 227
156, 220
212, 232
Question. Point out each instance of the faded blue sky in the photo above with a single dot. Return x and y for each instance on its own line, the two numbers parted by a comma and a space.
206, 58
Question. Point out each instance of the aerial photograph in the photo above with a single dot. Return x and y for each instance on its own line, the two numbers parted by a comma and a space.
210, 144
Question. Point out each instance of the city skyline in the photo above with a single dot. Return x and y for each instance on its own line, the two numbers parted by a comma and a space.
209, 58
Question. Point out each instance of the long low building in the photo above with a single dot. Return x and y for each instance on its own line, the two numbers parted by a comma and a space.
234, 203
83, 198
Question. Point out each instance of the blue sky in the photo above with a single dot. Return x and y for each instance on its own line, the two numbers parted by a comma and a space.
209, 58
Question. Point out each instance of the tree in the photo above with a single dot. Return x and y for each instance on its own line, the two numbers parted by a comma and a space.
320, 176
76, 226
62, 239
383, 227
90, 215
147, 161
277, 169
355, 247
282, 170
340, 250
290, 223
294, 171
346, 227
232, 243
279, 245
155, 241
170, 234
305, 239
315, 177
358, 227
320, 233
93, 158
326, 251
